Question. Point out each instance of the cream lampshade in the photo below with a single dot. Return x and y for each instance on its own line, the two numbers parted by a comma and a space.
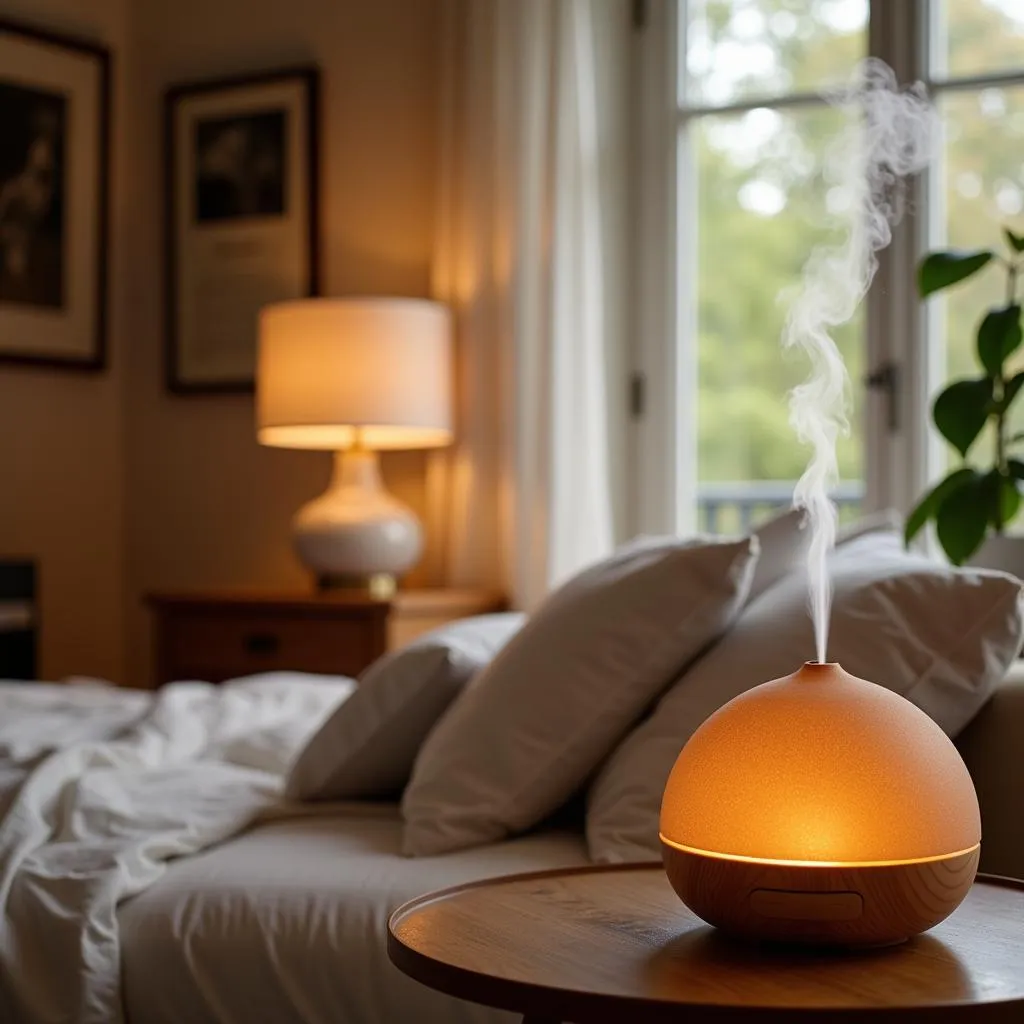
820, 808
355, 376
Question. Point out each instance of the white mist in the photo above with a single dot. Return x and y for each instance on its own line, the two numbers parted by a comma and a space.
888, 134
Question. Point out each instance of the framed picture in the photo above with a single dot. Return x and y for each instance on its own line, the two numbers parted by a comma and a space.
241, 191
54, 141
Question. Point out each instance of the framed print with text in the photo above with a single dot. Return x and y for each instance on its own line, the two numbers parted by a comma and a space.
54, 141
241, 191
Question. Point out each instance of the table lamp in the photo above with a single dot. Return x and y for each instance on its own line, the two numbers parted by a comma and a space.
355, 376
820, 808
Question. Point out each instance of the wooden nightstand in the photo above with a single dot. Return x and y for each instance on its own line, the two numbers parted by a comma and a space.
613, 945
219, 634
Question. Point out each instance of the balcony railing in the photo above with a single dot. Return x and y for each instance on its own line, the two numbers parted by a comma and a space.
734, 506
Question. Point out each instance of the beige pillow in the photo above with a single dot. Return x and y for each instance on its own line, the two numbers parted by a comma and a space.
552, 704
368, 746
941, 637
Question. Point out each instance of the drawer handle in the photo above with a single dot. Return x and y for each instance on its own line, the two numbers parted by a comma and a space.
261, 643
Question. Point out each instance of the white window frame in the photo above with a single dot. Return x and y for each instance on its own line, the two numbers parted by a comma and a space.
900, 455
659, 426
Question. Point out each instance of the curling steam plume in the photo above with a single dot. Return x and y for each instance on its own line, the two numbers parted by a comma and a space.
888, 134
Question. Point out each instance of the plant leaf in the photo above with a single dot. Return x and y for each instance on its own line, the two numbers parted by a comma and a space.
939, 270
998, 336
929, 504
1001, 496
1016, 468
961, 411
962, 519
1015, 241
1009, 501
1013, 385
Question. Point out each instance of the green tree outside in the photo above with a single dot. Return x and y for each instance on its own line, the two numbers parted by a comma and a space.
763, 204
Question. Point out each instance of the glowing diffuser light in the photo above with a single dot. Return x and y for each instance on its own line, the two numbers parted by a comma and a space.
820, 808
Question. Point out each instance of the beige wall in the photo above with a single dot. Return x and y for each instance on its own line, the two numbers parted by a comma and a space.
60, 434
115, 486
205, 504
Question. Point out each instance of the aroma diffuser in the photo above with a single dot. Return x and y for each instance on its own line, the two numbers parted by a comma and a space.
820, 808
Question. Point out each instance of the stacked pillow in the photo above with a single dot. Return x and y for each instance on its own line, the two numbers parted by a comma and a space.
542, 716
489, 725
941, 637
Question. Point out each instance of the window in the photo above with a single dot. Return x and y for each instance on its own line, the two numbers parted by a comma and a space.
735, 200
975, 69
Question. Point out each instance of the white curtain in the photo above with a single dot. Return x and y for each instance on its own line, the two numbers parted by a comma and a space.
525, 497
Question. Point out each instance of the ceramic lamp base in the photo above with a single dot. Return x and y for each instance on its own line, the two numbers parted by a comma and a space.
820, 904
355, 533
380, 585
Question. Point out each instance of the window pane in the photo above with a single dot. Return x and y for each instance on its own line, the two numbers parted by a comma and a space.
978, 37
739, 49
762, 207
983, 189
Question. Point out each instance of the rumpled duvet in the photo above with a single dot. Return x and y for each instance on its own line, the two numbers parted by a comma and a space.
99, 788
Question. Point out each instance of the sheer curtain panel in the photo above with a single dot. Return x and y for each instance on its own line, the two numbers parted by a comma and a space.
531, 211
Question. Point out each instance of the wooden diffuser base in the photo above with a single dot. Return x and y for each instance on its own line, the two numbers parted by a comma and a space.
840, 905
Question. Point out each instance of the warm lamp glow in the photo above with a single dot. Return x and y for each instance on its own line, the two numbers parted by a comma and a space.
331, 368
808, 785
353, 376
378, 437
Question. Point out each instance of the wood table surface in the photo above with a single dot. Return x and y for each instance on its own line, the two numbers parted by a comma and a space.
614, 944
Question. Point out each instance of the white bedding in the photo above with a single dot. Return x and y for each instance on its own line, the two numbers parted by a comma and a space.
98, 789
288, 923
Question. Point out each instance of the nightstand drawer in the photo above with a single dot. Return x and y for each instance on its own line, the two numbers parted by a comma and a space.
220, 644
220, 634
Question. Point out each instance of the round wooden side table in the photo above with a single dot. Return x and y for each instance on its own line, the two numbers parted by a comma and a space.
610, 945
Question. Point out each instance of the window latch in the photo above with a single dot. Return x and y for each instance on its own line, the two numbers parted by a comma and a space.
637, 395
886, 379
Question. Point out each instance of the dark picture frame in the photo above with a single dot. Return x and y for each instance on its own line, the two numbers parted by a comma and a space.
241, 218
55, 129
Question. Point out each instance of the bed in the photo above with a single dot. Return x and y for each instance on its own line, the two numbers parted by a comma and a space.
151, 872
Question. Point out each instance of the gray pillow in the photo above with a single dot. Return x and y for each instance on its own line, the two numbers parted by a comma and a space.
366, 749
783, 542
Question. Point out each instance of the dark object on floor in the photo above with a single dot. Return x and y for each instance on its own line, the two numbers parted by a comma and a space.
18, 619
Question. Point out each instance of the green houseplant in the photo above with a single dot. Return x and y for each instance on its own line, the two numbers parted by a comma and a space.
971, 502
